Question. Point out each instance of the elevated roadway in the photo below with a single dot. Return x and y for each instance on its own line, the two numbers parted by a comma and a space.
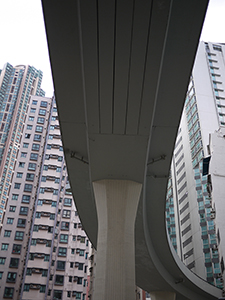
121, 70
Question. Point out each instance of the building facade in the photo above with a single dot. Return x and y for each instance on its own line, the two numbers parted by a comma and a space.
16, 86
44, 250
190, 210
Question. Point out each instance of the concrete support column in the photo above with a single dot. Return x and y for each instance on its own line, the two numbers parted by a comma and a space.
163, 296
116, 202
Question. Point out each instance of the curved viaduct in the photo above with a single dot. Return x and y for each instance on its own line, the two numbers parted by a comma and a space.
121, 70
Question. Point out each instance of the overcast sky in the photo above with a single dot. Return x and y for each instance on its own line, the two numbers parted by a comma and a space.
23, 39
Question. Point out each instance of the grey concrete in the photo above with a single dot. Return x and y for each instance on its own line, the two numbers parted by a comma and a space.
121, 70
116, 202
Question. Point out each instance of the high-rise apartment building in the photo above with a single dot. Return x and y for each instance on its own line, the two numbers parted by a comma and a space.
43, 248
16, 86
190, 208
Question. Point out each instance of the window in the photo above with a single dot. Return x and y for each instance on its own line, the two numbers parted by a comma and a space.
52, 127
1, 273
57, 180
65, 226
32, 166
60, 265
62, 251
42, 190
39, 128
47, 257
43, 178
26, 199
36, 228
31, 119
71, 264
72, 251
55, 192
42, 288
44, 273
74, 237
17, 185
57, 294
19, 175
54, 203
28, 187
16, 249
2, 260
59, 279
79, 280
11, 277
32, 110
80, 267
70, 278
7, 233
33, 156
68, 294
40, 202
52, 217
12, 208
63, 238
37, 137
30, 177
58, 169
15, 196
29, 127
25, 145
26, 287
67, 201
19, 235
35, 147
40, 120
5, 247
21, 222
44, 103
24, 154
14, 262
82, 239
34, 102
38, 215
21, 164
10, 220
42, 112
8, 292
81, 252
23, 210
66, 213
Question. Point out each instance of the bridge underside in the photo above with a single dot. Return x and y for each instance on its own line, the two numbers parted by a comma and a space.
121, 70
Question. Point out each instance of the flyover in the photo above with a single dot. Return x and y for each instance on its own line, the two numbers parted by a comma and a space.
120, 71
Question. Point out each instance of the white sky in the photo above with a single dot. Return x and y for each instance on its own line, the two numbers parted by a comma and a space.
23, 38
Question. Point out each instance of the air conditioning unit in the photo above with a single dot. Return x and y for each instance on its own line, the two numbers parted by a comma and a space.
215, 247
212, 216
